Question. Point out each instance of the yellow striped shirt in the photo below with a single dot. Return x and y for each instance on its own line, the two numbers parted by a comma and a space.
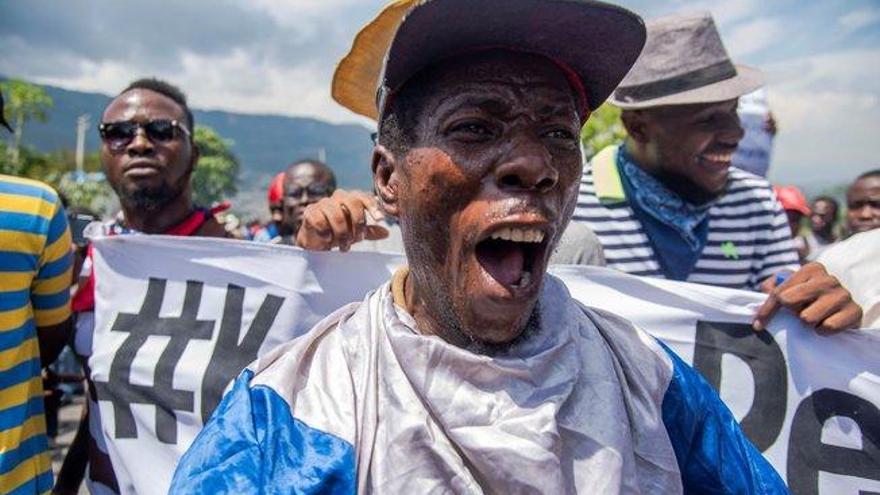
35, 264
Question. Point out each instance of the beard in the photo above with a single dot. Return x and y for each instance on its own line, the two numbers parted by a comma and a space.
451, 323
492, 349
152, 198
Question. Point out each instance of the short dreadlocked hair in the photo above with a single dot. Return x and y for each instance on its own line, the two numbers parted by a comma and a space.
166, 89
868, 174
397, 129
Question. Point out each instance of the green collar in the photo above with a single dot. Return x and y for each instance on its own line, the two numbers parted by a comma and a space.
606, 176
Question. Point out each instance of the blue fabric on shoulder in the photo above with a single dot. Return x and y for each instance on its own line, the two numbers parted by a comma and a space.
253, 444
713, 454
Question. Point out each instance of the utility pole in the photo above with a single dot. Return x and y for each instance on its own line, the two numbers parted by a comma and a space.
82, 125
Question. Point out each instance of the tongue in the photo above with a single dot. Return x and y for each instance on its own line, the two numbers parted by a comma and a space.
503, 260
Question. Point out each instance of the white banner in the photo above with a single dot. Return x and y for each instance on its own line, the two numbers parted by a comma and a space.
178, 318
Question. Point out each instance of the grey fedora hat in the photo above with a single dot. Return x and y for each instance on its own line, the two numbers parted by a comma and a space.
684, 62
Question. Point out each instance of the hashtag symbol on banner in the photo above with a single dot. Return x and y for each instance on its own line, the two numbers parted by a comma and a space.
119, 390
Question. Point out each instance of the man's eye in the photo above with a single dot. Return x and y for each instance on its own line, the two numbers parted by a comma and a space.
560, 134
707, 121
473, 128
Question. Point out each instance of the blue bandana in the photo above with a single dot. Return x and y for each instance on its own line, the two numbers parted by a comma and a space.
678, 230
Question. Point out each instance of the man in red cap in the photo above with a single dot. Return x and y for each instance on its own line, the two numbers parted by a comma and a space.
796, 209
276, 196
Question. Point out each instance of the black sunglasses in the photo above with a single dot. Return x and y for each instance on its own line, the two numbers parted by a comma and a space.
312, 189
118, 135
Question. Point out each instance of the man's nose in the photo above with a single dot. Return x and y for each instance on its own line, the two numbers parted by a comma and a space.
866, 212
140, 143
528, 167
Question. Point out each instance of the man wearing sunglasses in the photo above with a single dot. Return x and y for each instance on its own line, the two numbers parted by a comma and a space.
305, 183
148, 155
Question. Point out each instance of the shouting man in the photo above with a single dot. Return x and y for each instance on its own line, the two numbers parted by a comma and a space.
473, 371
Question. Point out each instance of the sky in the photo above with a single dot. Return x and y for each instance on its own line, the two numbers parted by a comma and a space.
822, 60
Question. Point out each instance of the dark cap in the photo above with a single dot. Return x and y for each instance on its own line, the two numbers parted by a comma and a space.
597, 42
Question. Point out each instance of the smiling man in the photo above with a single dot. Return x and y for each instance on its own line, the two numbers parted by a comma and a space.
473, 371
667, 203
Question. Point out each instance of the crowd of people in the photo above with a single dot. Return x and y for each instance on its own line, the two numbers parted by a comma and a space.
480, 181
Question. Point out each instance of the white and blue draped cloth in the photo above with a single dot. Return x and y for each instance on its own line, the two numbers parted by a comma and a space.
363, 403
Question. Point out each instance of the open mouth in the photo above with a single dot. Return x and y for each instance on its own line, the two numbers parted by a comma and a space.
512, 256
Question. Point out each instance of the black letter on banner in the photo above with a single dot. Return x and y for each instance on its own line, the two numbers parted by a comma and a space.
230, 357
761, 353
807, 455
119, 389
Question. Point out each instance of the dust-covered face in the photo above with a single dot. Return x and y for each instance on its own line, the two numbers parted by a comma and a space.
487, 189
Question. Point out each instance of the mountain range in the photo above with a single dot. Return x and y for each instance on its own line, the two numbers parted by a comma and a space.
264, 144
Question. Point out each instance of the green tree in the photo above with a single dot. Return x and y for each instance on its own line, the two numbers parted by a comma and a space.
24, 102
55, 169
603, 129
216, 175
94, 195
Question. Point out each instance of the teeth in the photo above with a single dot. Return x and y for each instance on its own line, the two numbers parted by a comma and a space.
519, 235
720, 157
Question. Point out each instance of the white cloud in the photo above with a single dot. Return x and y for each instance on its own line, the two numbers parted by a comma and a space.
828, 109
235, 82
853, 21
283, 57
285, 67
753, 36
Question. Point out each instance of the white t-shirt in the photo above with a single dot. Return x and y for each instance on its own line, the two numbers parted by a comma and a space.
856, 263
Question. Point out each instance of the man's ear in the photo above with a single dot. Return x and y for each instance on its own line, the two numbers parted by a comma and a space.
194, 156
386, 179
635, 123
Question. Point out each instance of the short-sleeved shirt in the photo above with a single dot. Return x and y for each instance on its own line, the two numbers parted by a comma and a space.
35, 264
749, 238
